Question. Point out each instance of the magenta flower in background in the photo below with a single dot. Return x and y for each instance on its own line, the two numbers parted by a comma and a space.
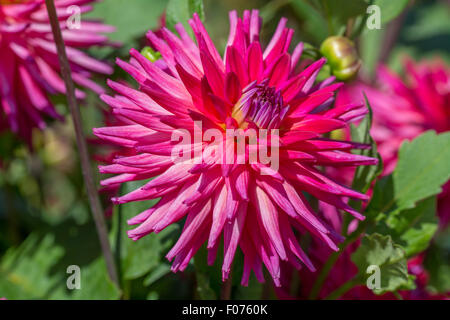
29, 66
250, 204
405, 108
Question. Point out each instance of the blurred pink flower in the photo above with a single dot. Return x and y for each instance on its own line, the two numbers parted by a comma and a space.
29, 66
250, 88
403, 108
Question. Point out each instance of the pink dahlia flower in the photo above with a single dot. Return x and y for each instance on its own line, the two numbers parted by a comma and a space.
405, 108
252, 205
29, 66
106, 152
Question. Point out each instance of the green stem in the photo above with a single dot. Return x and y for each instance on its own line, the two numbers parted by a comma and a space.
349, 29
339, 292
323, 274
397, 295
94, 200
328, 17
269, 11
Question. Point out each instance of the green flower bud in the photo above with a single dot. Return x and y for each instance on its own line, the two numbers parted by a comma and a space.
342, 57
150, 54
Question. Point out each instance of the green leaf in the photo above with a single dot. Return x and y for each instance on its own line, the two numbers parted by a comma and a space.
412, 228
340, 11
370, 49
437, 263
95, 283
156, 274
390, 9
182, 10
203, 288
314, 24
26, 272
132, 19
381, 251
208, 277
197, 6
431, 21
403, 204
423, 167
254, 290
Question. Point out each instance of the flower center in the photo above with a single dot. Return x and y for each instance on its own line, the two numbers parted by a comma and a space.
261, 105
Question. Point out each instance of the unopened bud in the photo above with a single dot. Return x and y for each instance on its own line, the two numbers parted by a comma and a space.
342, 57
150, 54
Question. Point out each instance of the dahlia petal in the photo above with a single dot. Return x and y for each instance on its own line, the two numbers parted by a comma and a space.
195, 219
148, 225
207, 185
177, 209
175, 174
182, 56
255, 26
279, 70
338, 158
269, 218
295, 136
184, 257
279, 48
242, 183
266, 251
188, 43
144, 194
201, 33
292, 87
140, 99
240, 41
311, 73
213, 73
232, 235
235, 64
157, 75
277, 35
318, 125
292, 243
164, 49
251, 260
219, 216
302, 209
255, 61
296, 56
232, 88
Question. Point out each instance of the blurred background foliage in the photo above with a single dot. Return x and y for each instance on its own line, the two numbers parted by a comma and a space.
45, 223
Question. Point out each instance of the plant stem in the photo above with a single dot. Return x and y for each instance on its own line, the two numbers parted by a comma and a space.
269, 10
225, 292
94, 200
349, 29
323, 274
343, 289
391, 35
328, 18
